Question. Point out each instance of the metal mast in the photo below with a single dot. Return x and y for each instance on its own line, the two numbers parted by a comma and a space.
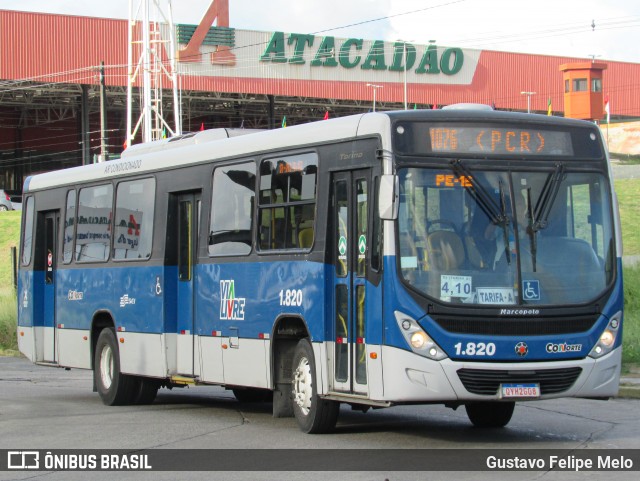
151, 60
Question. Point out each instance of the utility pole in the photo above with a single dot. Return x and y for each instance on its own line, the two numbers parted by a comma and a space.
103, 116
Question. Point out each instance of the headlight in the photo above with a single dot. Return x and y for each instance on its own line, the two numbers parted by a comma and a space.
418, 340
607, 338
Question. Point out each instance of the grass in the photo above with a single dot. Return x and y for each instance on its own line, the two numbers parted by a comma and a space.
631, 325
8, 340
9, 237
628, 191
626, 159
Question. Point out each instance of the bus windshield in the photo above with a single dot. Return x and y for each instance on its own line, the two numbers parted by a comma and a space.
489, 237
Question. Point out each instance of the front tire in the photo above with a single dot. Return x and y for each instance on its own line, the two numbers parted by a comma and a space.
114, 388
314, 414
490, 414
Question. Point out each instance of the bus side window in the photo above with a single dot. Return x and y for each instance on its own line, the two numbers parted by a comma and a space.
27, 239
93, 228
133, 229
69, 227
287, 202
232, 205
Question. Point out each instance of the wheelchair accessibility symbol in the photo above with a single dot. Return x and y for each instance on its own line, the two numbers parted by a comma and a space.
531, 290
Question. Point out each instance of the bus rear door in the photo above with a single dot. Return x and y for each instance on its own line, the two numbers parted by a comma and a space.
47, 251
188, 219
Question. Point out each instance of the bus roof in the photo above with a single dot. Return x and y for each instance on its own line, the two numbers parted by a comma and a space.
219, 144
211, 145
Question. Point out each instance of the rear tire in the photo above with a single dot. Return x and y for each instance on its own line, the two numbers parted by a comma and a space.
114, 388
145, 390
490, 414
314, 415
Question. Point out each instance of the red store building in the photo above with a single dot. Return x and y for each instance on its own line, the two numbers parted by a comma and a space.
50, 83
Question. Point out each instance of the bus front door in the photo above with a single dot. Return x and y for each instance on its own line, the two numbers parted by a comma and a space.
188, 219
350, 204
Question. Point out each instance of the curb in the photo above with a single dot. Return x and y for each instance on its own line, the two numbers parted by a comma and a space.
629, 391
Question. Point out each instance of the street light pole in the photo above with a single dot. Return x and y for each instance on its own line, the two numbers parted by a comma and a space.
375, 88
405, 75
528, 94
405, 51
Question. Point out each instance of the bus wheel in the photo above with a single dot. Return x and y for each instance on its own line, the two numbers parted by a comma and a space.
490, 414
145, 390
314, 415
114, 387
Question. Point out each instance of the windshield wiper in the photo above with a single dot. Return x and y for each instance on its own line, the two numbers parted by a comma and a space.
504, 223
497, 214
533, 242
547, 198
479, 194
538, 218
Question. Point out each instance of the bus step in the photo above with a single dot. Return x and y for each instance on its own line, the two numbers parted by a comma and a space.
47, 363
183, 380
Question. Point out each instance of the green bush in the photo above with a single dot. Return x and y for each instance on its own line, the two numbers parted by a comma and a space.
8, 324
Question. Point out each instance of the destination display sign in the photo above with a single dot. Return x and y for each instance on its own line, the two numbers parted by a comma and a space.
487, 139
498, 140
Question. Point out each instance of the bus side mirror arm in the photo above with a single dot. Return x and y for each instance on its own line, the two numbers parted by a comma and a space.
388, 197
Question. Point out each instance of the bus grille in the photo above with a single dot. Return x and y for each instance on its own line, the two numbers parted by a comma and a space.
517, 327
487, 382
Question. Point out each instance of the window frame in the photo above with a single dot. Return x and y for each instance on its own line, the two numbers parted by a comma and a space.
75, 222
253, 213
286, 205
28, 203
113, 223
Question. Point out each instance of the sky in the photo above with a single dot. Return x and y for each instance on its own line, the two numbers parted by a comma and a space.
600, 29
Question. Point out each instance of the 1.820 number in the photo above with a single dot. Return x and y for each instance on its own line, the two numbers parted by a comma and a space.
475, 349
291, 297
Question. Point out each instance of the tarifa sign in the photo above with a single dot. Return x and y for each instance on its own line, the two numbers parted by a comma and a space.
349, 54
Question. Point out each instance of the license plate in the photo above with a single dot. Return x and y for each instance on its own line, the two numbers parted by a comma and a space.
520, 390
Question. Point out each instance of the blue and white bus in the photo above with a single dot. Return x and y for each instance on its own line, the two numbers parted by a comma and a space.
462, 257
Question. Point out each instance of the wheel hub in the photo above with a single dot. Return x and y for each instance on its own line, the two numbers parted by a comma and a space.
302, 385
106, 367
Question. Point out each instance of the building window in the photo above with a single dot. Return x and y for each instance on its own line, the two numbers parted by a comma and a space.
232, 206
288, 202
580, 84
567, 86
596, 85
133, 230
